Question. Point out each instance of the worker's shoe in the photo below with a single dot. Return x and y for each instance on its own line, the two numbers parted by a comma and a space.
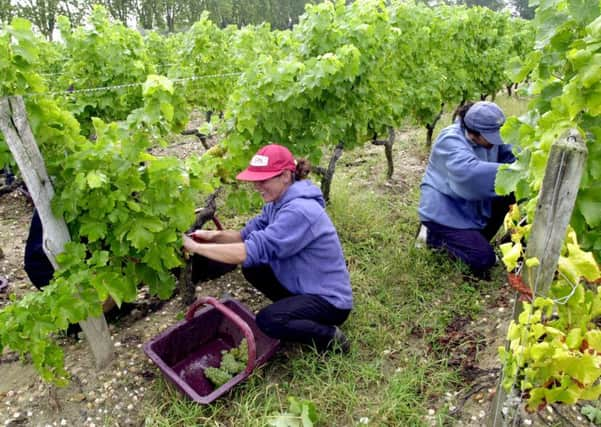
421, 237
340, 342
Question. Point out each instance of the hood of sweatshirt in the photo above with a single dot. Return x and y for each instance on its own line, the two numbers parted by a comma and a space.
304, 189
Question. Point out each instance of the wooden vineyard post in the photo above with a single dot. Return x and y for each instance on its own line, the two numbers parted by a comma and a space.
553, 213
20, 139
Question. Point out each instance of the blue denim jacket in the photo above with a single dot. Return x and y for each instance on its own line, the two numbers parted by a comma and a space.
459, 183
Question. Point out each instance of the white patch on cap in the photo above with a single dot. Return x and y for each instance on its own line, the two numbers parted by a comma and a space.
259, 160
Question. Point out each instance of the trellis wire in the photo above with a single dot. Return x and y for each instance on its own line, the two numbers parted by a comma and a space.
130, 85
62, 74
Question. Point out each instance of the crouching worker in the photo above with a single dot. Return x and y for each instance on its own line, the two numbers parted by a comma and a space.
290, 252
458, 203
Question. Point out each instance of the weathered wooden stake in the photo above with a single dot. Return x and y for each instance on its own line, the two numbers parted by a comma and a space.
553, 213
20, 139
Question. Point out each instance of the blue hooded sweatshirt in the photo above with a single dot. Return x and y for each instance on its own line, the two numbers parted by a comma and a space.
459, 183
295, 236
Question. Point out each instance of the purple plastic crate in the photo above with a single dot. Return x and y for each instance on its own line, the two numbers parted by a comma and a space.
3, 284
183, 351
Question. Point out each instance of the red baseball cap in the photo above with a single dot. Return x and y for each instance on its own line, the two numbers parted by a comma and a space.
269, 161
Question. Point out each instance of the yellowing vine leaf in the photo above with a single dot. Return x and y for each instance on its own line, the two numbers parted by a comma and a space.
593, 339
511, 254
579, 264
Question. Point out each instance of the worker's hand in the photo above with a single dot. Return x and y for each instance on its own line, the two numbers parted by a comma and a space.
189, 244
203, 236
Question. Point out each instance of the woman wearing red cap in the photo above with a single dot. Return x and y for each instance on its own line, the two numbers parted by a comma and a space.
458, 205
290, 252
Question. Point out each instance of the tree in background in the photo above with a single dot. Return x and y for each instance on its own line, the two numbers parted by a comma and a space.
6, 11
75, 10
119, 9
177, 15
164, 15
522, 8
491, 4
41, 13
145, 11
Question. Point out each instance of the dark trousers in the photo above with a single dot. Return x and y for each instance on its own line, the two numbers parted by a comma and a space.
471, 246
307, 319
37, 266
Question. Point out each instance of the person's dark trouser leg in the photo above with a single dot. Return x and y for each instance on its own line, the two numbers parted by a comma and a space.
307, 319
500, 207
470, 246
263, 279
36, 263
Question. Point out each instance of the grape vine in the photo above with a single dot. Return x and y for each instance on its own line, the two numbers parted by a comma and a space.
554, 352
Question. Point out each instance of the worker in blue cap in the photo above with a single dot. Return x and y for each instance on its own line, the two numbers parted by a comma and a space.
459, 209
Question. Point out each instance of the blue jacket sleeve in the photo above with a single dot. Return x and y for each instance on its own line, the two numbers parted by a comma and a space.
470, 177
506, 154
289, 234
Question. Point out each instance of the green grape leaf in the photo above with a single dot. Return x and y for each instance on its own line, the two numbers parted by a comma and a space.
140, 236
591, 393
563, 394
583, 10
589, 204
593, 338
99, 259
574, 338
567, 267
95, 179
509, 175
549, 21
93, 230
540, 351
592, 413
578, 264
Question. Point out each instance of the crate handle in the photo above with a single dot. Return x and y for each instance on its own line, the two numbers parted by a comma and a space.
248, 333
